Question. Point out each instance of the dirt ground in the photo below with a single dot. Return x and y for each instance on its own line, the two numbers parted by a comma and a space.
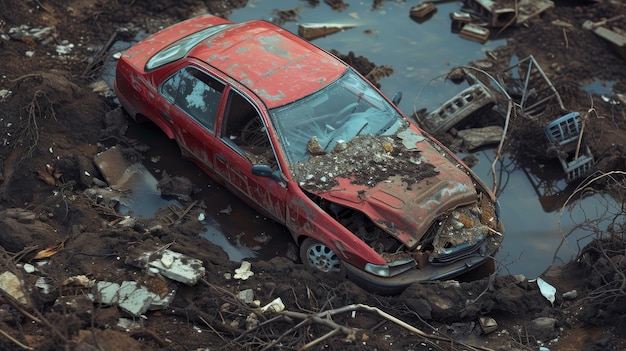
54, 121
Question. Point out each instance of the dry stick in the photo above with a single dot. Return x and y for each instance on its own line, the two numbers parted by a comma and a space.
506, 125
320, 339
580, 135
213, 329
18, 306
323, 318
15, 341
565, 36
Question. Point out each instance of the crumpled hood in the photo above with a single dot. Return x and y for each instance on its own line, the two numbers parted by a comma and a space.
406, 210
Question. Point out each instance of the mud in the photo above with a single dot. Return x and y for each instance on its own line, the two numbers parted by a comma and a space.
54, 123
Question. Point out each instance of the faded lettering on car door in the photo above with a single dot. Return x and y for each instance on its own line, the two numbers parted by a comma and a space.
244, 143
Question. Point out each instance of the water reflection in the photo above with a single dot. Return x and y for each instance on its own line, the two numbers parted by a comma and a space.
145, 199
540, 231
234, 248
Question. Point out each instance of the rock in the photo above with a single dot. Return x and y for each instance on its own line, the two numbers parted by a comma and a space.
247, 296
20, 228
487, 324
314, 148
179, 187
542, 328
570, 295
421, 307
12, 285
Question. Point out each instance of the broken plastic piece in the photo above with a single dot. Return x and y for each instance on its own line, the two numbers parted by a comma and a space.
565, 133
275, 306
244, 271
547, 290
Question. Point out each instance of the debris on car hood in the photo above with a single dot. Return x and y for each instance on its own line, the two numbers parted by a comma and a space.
388, 177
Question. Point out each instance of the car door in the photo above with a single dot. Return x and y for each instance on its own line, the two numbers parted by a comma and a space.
197, 97
243, 143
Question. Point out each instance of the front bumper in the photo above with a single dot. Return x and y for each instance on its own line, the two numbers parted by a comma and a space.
395, 284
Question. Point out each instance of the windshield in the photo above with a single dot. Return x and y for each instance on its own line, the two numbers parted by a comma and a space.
339, 112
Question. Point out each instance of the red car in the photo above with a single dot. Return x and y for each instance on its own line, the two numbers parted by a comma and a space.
306, 140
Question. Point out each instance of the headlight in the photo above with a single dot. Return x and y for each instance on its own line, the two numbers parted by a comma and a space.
391, 268
381, 270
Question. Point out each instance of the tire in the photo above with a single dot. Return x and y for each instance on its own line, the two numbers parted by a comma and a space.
317, 255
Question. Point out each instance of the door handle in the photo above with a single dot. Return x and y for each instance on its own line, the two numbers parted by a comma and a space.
166, 116
221, 158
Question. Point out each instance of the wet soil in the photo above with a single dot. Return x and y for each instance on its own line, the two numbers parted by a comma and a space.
54, 121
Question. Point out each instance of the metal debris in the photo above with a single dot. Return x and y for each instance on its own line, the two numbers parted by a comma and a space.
458, 108
616, 39
312, 31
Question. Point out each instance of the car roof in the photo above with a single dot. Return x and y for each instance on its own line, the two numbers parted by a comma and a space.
277, 65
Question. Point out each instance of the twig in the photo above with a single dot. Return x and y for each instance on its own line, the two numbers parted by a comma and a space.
320, 339
16, 341
323, 318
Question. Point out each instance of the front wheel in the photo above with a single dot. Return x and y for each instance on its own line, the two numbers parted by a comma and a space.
317, 255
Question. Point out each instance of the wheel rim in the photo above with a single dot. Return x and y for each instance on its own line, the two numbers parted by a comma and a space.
323, 258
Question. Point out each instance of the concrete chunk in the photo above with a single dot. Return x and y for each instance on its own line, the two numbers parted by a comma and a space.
130, 296
175, 266
12, 285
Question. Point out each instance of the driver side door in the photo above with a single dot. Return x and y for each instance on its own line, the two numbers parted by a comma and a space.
244, 142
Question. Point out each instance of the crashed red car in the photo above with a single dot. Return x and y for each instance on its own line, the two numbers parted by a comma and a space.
306, 140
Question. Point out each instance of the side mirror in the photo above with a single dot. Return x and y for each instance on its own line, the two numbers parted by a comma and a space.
267, 172
396, 98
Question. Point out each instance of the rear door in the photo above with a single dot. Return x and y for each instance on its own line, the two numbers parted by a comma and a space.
197, 97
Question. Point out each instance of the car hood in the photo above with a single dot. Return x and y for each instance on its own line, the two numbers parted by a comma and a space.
413, 181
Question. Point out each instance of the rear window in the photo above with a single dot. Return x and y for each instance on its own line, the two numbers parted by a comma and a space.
181, 47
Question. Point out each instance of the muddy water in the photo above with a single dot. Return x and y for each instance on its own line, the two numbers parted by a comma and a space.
530, 195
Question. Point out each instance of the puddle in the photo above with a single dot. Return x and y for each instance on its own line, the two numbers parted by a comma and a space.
538, 232
145, 198
600, 87
419, 53
234, 249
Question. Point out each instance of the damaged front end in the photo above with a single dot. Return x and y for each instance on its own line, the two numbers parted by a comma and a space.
457, 241
422, 211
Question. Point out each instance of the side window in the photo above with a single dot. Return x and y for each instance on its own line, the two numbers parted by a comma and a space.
195, 93
244, 130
